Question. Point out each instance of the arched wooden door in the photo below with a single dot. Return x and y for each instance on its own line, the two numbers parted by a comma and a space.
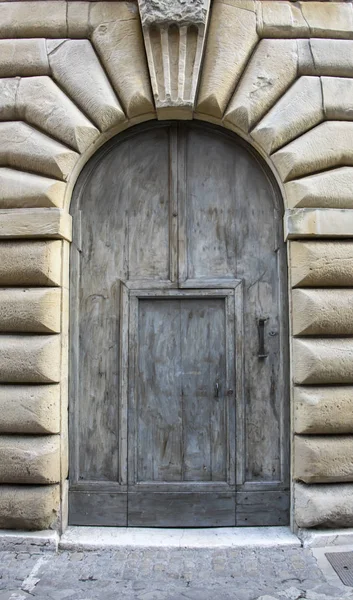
179, 402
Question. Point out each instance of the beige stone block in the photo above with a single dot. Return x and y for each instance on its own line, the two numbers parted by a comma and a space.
325, 360
230, 42
318, 223
29, 359
8, 91
280, 19
25, 148
78, 19
24, 190
32, 19
333, 58
322, 312
321, 264
29, 507
105, 11
270, 71
328, 19
328, 145
30, 409
77, 70
30, 459
325, 505
41, 103
30, 310
23, 58
30, 263
52, 223
337, 94
323, 409
120, 46
330, 189
323, 459
299, 110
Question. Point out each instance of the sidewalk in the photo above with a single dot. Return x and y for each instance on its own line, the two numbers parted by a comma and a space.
167, 574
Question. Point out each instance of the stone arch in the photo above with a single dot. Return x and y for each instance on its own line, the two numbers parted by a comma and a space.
72, 76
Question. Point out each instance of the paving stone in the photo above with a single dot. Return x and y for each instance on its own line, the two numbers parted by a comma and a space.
169, 574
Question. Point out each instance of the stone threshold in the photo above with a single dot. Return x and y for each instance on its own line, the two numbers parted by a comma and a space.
97, 538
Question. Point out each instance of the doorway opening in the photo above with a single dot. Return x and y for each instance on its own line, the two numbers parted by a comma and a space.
179, 404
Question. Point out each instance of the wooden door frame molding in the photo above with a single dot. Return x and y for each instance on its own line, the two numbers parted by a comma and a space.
300, 124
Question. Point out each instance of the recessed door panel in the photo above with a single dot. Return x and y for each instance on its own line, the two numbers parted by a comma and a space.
182, 406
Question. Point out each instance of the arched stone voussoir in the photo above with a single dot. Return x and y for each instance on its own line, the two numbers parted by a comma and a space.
300, 109
25, 148
120, 47
271, 70
40, 102
231, 39
25, 190
23, 58
8, 91
76, 68
328, 145
330, 189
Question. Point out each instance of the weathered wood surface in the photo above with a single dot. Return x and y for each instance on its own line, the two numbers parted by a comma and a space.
168, 208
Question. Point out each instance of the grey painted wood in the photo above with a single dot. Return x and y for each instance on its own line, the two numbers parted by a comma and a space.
179, 209
98, 508
262, 508
151, 509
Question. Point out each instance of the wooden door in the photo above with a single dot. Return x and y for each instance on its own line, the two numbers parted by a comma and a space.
179, 412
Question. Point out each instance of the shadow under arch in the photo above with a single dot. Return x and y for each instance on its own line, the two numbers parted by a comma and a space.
254, 475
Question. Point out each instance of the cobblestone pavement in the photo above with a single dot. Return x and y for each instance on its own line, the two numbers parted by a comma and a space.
168, 574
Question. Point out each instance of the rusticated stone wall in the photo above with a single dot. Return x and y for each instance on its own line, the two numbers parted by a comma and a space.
72, 75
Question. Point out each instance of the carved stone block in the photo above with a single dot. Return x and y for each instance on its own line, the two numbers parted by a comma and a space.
174, 34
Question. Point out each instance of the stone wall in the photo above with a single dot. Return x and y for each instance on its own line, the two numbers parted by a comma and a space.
74, 74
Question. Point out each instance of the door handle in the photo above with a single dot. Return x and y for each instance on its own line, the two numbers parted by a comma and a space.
261, 328
216, 389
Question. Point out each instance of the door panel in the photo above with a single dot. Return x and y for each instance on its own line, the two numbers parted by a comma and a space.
169, 219
181, 434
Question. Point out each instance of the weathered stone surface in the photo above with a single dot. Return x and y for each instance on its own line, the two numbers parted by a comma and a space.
279, 19
30, 19
323, 409
8, 90
78, 19
337, 95
299, 110
322, 312
23, 58
226, 55
29, 507
326, 360
29, 359
177, 11
76, 68
323, 459
321, 264
328, 145
30, 263
52, 223
328, 19
30, 459
30, 310
324, 505
331, 189
40, 102
30, 409
24, 190
25, 148
121, 49
318, 222
271, 70
333, 58
174, 35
